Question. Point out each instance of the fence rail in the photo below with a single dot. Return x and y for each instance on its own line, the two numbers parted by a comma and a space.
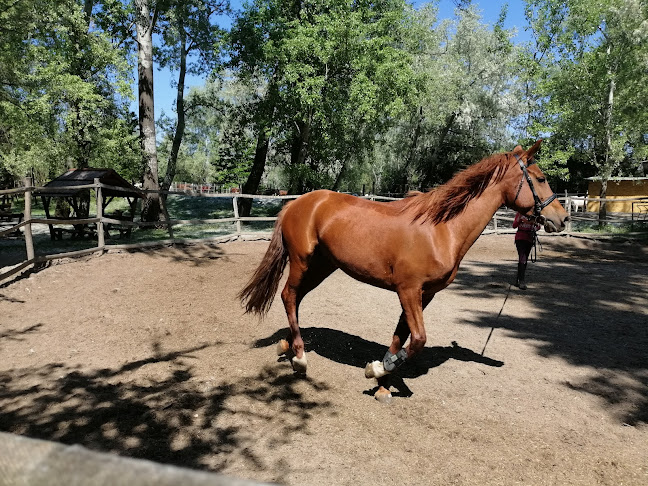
100, 220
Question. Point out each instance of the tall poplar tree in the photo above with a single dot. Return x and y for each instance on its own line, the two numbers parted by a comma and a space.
191, 45
469, 94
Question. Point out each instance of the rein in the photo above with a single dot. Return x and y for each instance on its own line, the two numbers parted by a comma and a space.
538, 204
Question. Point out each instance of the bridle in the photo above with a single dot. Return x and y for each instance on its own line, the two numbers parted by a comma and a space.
538, 205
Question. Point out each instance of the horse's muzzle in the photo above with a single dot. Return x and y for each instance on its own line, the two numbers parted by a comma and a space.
550, 225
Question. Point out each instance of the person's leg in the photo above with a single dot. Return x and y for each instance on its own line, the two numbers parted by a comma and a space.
523, 249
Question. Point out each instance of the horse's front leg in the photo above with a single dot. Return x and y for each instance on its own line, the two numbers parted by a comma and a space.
410, 323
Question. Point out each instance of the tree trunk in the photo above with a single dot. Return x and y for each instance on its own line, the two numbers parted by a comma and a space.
298, 155
338, 180
251, 186
145, 25
180, 125
432, 163
607, 163
87, 10
602, 215
264, 117
412, 148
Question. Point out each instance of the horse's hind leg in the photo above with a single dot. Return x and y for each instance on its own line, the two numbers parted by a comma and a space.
304, 276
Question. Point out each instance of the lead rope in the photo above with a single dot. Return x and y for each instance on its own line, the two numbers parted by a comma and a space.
508, 291
534, 257
534, 248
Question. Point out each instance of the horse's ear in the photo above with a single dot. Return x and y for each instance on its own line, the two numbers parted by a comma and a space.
518, 149
533, 150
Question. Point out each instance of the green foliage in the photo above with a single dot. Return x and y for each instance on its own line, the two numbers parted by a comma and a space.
590, 78
335, 71
347, 92
468, 97
218, 145
64, 87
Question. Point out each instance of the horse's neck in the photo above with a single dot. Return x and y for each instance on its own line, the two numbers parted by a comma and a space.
467, 227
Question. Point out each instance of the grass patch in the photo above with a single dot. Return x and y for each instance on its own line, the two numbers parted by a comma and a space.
188, 207
637, 229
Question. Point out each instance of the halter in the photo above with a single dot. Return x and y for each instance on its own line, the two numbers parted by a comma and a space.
538, 205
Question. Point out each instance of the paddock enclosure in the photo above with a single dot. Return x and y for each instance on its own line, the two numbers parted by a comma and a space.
147, 354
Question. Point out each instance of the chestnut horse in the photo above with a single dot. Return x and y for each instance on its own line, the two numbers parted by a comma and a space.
412, 246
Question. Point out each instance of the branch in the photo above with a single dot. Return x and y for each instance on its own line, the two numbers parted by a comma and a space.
607, 38
154, 19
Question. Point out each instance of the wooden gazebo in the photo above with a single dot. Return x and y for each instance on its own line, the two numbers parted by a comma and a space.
67, 188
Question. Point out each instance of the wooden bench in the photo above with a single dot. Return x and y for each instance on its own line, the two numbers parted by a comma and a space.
7, 220
124, 229
78, 231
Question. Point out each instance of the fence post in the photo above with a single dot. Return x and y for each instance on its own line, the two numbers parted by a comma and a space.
101, 239
495, 222
569, 212
29, 240
236, 215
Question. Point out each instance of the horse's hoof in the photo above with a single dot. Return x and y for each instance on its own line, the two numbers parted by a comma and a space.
282, 347
300, 364
383, 395
375, 369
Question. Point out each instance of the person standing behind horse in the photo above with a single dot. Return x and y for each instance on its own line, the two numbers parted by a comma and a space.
524, 241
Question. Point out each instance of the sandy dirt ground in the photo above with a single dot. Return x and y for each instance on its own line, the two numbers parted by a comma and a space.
149, 355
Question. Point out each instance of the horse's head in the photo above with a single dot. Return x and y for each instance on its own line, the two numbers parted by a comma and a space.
530, 194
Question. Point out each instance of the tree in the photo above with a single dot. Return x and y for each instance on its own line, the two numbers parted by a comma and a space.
331, 73
146, 20
219, 141
64, 89
593, 78
189, 28
469, 95
185, 27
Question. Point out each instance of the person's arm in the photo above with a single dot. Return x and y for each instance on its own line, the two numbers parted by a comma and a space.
516, 221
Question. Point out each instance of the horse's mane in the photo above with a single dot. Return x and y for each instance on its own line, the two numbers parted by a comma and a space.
448, 201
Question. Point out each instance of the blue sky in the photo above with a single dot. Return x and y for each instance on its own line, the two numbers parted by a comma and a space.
165, 94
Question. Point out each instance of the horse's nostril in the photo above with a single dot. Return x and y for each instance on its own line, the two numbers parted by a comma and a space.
567, 218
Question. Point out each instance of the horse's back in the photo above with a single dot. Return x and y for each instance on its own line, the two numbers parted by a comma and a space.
364, 238
320, 210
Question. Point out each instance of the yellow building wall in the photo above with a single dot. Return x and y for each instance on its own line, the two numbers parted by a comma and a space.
617, 190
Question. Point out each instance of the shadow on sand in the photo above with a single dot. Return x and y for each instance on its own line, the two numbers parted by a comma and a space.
355, 351
177, 420
589, 309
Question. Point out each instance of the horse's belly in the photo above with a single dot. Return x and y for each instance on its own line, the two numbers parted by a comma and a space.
362, 264
378, 257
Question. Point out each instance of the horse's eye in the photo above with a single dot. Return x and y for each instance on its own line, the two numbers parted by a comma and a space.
542, 180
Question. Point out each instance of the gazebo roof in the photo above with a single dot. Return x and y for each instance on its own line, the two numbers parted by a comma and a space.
81, 177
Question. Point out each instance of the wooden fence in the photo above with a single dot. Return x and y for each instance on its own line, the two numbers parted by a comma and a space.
501, 222
100, 220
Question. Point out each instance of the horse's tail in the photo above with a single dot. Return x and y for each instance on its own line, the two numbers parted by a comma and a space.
258, 294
